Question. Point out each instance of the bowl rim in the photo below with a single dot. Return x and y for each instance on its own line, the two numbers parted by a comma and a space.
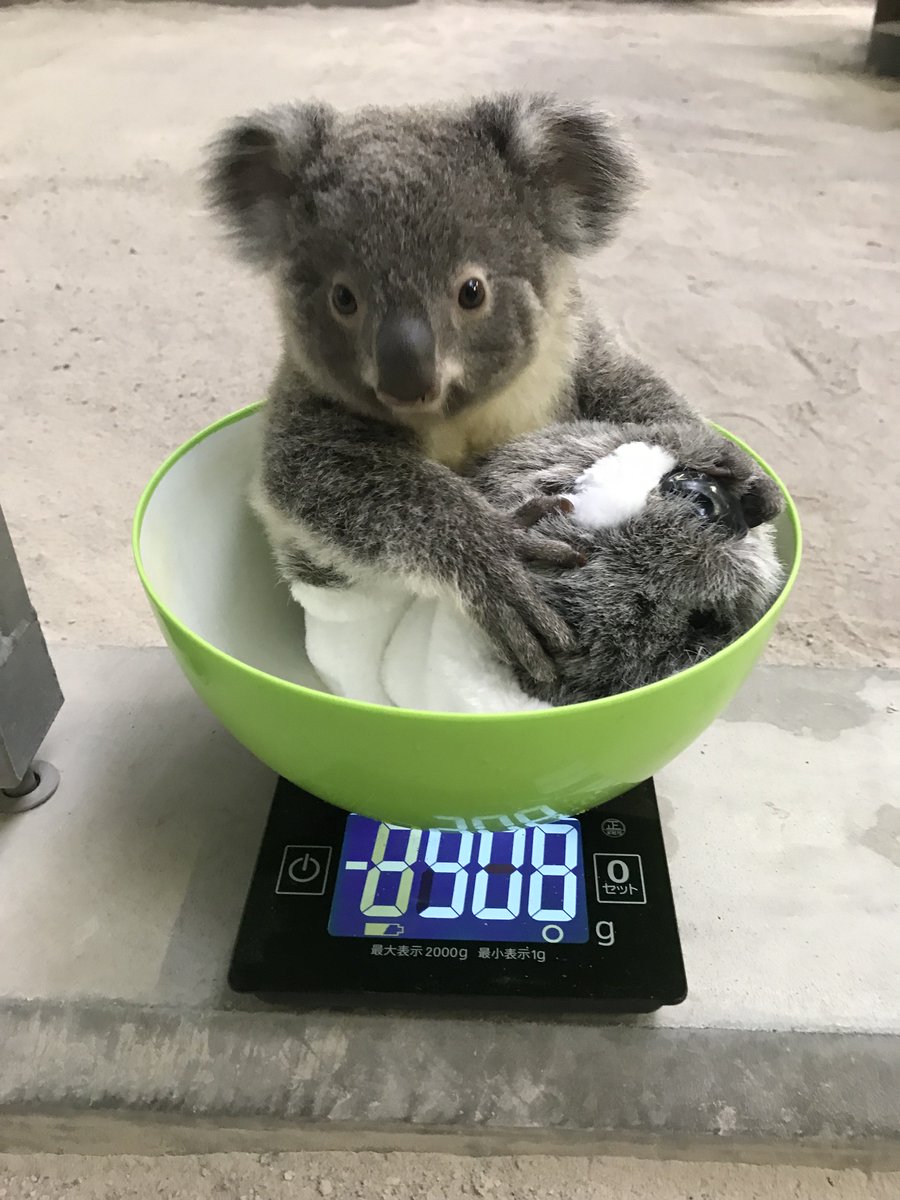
222, 656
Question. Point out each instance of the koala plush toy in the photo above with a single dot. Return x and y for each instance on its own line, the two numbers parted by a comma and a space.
670, 522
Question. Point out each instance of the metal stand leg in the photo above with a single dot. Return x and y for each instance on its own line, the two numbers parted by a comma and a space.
30, 696
40, 782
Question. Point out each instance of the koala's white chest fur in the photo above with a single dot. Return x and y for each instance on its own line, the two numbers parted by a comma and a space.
529, 403
522, 408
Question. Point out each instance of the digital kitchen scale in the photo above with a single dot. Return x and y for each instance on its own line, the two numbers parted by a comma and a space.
571, 914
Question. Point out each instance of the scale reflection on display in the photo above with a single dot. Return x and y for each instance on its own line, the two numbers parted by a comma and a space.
568, 913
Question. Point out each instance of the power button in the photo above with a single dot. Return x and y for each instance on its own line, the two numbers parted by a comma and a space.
304, 871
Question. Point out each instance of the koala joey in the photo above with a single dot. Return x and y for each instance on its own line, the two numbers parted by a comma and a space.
678, 562
422, 262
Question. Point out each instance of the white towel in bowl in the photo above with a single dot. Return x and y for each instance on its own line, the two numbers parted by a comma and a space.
380, 643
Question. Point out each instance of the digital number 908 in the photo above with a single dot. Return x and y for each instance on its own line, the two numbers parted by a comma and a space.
495, 891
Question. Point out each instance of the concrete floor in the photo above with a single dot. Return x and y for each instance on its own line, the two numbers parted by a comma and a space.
760, 274
420, 1177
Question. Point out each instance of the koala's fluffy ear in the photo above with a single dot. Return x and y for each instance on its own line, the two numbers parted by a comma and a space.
570, 156
256, 167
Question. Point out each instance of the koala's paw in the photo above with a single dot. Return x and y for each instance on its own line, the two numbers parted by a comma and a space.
761, 500
501, 595
700, 448
534, 510
537, 547
760, 496
526, 632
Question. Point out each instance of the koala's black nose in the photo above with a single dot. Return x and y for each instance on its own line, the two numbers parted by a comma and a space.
405, 359
710, 499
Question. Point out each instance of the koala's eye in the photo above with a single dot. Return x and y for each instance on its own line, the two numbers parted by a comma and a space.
343, 300
472, 293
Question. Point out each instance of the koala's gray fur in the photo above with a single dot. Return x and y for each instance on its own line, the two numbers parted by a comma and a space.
661, 591
400, 207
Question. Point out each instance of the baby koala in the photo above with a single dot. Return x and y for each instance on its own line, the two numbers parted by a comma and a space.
670, 522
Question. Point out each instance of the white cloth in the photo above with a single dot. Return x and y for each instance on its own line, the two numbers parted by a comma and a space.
379, 642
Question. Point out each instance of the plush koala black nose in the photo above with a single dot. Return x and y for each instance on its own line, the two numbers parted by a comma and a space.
710, 499
405, 359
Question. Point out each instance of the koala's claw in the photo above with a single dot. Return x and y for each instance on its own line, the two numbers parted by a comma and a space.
533, 510
521, 650
527, 632
535, 547
729, 463
528, 640
722, 459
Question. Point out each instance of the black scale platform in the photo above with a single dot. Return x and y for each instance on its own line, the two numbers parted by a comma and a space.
565, 916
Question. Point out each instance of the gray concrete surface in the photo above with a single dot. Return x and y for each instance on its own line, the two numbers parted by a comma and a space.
122, 896
496, 1084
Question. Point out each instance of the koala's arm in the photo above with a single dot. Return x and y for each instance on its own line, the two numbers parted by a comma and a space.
363, 488
611, 385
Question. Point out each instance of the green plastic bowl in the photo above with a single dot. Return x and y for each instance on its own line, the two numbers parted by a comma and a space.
238, 636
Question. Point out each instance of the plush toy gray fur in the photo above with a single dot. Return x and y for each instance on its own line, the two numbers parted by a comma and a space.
666, 588
422, 262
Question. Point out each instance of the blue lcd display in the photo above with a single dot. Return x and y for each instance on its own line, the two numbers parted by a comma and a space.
522, 885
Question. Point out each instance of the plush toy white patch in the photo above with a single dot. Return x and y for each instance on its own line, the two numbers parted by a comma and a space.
615, 488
